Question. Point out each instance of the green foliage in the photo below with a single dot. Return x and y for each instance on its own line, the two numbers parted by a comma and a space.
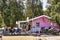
34, 8
11, 12
0, 19
54, 10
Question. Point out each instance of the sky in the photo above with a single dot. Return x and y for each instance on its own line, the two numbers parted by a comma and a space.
44, 4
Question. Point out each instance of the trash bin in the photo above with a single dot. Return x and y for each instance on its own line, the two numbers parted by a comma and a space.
0, 37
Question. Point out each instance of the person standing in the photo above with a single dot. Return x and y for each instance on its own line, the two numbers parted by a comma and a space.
29, 27
18, 30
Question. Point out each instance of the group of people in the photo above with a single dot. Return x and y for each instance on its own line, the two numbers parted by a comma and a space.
30, 29
12, 30
18, 30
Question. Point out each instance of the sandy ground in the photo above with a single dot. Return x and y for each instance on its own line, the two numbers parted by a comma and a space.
30, 38
18, 38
